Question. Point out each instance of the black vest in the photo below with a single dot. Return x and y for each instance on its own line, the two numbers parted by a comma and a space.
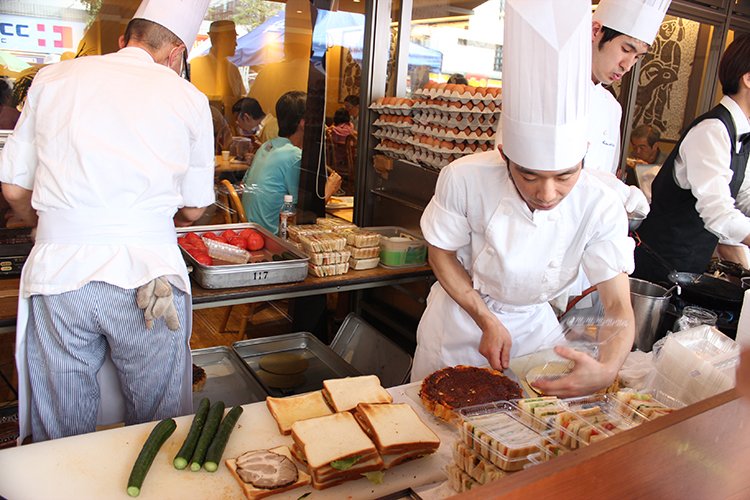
674, 229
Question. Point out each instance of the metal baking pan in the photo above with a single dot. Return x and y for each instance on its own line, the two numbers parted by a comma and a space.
324, 364
227, 378
402, 495
259, 273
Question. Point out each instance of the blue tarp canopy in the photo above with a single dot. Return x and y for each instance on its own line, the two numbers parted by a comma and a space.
265, 44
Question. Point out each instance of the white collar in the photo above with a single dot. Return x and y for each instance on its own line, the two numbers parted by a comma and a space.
741, 122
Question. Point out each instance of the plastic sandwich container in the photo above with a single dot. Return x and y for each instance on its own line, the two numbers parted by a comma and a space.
400, 247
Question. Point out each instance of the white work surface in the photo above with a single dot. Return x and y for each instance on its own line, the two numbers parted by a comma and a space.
97, 465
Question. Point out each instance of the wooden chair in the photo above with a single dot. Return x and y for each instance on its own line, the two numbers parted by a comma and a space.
234, 202
248, 310
351, 161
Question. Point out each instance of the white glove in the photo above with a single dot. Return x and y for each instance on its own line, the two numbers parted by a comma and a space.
156, 298
637, 202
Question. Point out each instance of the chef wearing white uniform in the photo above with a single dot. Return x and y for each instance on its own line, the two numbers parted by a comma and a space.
507, 236
111, 151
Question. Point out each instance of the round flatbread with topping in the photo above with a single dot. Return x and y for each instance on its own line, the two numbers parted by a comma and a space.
279, 381
283, 363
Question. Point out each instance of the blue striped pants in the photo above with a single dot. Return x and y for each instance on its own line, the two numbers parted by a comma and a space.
68, 335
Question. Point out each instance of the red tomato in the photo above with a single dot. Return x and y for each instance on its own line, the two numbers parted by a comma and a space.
210, 236
228, 234
255, 242
239, 241
221, 239
183, 242
204, 259
199, 244
197, 251
192, 238
187, 247
247, 232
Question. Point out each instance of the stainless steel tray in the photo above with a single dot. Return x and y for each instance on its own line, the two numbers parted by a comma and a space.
324, 363
259, 273
227, 378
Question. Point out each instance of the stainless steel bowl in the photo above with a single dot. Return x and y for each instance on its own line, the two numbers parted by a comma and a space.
634, 221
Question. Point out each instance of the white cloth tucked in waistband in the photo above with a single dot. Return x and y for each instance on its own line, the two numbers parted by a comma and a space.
88, 226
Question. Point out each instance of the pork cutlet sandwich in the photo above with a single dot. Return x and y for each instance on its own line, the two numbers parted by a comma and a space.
335, 449
344, 394
397, 431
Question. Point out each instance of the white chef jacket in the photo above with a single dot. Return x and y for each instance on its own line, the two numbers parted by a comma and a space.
702, 165
517, 259
111, 146
604, 130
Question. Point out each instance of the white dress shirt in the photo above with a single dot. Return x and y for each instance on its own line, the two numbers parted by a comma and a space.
702, 166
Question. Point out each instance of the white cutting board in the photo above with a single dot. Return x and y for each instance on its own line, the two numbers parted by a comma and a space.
96, 466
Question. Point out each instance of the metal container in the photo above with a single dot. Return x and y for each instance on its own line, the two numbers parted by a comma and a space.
649, 305
371, 352
258, 273
324, 364
228, 378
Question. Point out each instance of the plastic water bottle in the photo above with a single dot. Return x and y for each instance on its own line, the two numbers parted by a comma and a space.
287, 216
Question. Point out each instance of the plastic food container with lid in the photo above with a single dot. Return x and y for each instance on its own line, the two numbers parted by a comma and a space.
400, 247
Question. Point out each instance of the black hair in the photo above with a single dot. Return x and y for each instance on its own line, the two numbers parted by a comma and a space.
341, 116
608, 34
151, 34
651, 134
6, 92
290, 110
734, 64
248, 106
458, 78
352, 99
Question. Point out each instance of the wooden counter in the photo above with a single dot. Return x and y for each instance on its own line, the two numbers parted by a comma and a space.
701, 452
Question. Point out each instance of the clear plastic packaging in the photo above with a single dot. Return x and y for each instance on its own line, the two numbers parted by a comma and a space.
328, 258
473, 464
604, 411
359, 238
364, 253
329, 270
363, 264
458, 479
335, 223
295, 231
322, 242
226, 252
641, 406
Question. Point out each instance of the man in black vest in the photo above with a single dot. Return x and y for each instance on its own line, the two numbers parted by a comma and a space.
698, 197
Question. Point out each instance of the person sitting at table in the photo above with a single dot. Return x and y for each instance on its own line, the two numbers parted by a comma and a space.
276, 167
341, 129
249, 116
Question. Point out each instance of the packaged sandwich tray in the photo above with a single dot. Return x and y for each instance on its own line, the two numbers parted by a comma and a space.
323, 363
658, 397
477, 467
228, 378
496, 432
255, 272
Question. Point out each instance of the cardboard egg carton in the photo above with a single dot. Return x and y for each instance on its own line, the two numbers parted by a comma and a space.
459, 92
394, 150
394, 121
393, 106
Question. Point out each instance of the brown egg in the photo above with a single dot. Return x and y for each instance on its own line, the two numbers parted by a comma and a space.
460, 88
459, 117
446, 145
480, 119
467, 131
380, 100
423, 139
482, 91
455, 104
479, 106
492, 91
471, 147
491, 119
409, 102
409, 120
449, 88
469, 105
471, 89
491, 105
453, 130
460, 146
430, 85
441, 86
399, 101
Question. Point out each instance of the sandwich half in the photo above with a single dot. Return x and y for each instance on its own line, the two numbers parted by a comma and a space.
288, 410
397, 431
334, 448
343, 394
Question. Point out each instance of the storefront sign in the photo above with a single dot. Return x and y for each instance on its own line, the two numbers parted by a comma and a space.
35, 34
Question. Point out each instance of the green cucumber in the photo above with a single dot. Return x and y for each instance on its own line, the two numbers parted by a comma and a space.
151, 447
207, 435
213, 455
183, 456
288, 256
277, 258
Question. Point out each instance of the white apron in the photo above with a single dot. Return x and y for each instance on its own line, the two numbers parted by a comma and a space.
111, 402
448, 336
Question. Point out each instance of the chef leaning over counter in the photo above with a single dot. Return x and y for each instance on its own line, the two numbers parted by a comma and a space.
509, 231
111, 152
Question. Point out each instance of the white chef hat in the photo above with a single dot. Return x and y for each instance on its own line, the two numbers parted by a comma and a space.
181, 17
546, 82
640, 19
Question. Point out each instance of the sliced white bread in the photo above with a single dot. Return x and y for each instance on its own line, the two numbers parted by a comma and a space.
344, 394
253, 493
288, 410
396, 428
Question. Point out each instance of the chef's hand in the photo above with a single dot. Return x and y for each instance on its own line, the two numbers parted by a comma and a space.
156, 298
587, 377
496, 343
637, 202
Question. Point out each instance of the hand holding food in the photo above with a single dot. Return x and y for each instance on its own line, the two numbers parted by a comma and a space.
155, 297
587, 377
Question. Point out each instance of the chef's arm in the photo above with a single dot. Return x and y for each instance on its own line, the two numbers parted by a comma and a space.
496, 342
187, 215
590, 375
19, 200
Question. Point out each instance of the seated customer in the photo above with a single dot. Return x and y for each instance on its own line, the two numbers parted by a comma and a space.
645, 142
341, 129
276, 167
248, 116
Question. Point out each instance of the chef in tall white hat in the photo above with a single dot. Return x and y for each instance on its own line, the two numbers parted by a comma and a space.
110, 154
622, 31
509, 230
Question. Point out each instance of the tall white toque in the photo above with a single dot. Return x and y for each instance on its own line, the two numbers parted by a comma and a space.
546, 82
640, 19
181, 17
